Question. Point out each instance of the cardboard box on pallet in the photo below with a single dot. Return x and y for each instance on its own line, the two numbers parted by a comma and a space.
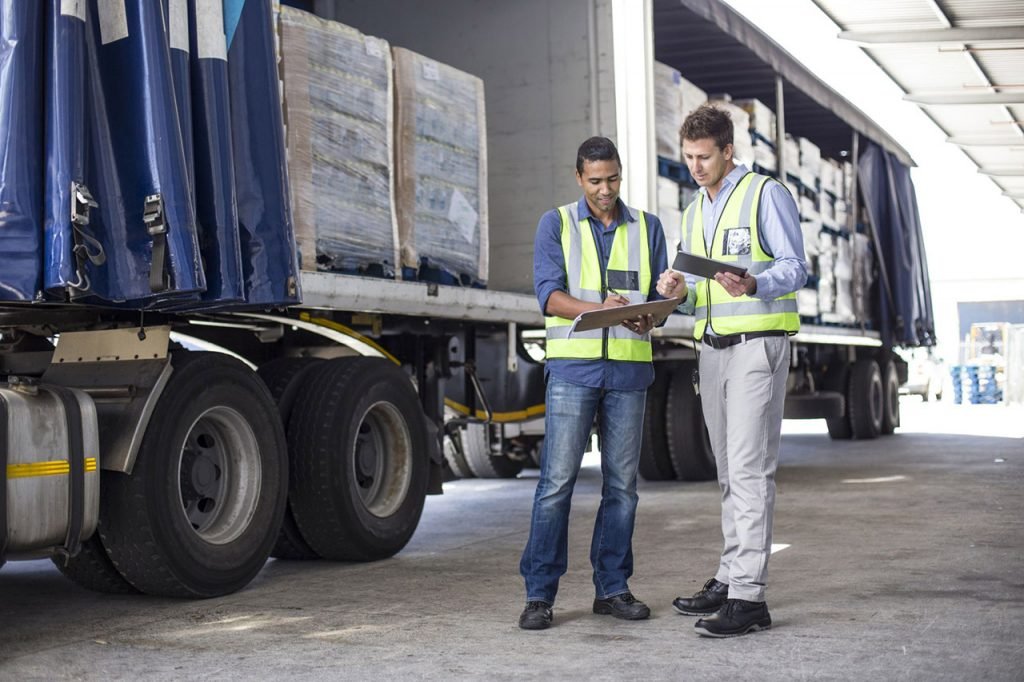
338, 112
762, 118
440, 169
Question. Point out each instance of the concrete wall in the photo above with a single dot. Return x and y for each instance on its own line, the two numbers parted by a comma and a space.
535, 59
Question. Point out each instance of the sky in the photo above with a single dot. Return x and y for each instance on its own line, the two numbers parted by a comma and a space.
973, 235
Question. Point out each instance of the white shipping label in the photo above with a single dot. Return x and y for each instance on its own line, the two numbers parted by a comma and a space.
462, 213
73, 8
430, 71
374, 47
178, 24
210, 40
113, 20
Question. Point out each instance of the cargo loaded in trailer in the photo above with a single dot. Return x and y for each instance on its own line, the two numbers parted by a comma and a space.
266, 307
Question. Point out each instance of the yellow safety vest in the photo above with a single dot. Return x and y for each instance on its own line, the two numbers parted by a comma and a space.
736, 240
628, 274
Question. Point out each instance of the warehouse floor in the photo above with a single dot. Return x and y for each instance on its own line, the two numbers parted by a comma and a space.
901, 558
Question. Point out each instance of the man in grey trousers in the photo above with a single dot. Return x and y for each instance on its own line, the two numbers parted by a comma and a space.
743, 324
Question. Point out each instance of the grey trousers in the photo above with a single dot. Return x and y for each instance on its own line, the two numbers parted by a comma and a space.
743, 391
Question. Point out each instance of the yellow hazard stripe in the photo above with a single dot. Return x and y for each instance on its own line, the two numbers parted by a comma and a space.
517, 416
56, 467
331, 324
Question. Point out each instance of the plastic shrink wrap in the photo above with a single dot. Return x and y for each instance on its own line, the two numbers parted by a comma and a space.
668, 110
440, 169
337, 94
669, 212
743, 146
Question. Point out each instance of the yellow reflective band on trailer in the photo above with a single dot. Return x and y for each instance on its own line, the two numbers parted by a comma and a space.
501, 417
57, 467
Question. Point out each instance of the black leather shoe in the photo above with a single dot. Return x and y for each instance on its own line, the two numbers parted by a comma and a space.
624, 606
703, 603
737, 617
536, 616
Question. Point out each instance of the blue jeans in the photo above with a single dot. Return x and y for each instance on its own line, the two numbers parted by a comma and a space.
570, 411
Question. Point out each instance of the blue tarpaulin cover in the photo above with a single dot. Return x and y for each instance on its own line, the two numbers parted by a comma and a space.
269, 257
138, 244
21, 136
216, 208
891, 203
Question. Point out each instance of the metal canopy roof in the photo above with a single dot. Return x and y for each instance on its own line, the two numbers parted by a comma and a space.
962, 62
720, 51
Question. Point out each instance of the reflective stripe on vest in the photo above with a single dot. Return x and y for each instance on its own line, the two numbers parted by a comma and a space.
727, 314
629, 264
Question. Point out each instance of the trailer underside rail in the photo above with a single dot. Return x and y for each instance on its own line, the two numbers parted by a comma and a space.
365, 294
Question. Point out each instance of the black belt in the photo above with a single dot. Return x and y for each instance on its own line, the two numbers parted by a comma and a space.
721, 342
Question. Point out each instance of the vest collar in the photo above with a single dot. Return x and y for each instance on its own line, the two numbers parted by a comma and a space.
583, 211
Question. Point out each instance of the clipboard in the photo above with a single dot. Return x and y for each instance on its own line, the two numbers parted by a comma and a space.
704, 267
609, 317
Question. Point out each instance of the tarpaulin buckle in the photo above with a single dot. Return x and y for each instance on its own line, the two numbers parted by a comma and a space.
156, 225
86, 247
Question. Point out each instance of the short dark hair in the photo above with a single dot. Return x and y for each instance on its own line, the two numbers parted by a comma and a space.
596, 149
708, 121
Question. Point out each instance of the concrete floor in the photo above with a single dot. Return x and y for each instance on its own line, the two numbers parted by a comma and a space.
904, 559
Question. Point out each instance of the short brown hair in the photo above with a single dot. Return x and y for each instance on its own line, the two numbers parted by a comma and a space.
708, 121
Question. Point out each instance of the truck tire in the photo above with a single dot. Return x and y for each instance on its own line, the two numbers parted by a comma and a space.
655, 464
890, 398
92, 569
476, 447
865, 399
837, 379
200, 511
817, 405
284, 377
689, 445
454, 459
358, 439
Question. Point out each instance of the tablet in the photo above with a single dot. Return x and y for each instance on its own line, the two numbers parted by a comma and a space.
609, 317
704, 267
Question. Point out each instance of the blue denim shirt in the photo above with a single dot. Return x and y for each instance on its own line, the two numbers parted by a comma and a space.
549, 276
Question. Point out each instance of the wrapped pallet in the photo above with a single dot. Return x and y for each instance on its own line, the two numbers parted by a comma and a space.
764, 156
743, 147
807, 302
692, 96
810, 163
441, 169
762, 118
791, 156
668, 110
337, 91
669, 212
863, 276
827, 210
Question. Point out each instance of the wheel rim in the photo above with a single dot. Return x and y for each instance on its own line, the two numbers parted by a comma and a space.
877, 401
219, 475
382, 459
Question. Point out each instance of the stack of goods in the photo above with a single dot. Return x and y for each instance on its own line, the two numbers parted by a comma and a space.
826, 276
807, 302
669, 214
440, 170
743, 146
863, 276
337, 90
844, 280
791, 156
762, 129
675, 98
668, 110
847, 184
827, 210
692, 96
810, 163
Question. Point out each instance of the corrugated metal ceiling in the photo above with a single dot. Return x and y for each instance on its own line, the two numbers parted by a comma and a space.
933, 66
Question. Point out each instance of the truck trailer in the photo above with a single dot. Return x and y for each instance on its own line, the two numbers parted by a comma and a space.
189, 390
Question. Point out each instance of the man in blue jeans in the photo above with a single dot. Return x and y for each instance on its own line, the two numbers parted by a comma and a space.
591, 254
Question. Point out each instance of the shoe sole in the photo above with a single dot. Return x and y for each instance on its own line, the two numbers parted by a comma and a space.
695, 613
754, 627
607, 611
542, 626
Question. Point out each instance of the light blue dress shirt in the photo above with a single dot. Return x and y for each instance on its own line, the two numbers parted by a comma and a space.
778, 231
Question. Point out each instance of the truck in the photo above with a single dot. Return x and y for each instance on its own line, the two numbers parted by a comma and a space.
168, 445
